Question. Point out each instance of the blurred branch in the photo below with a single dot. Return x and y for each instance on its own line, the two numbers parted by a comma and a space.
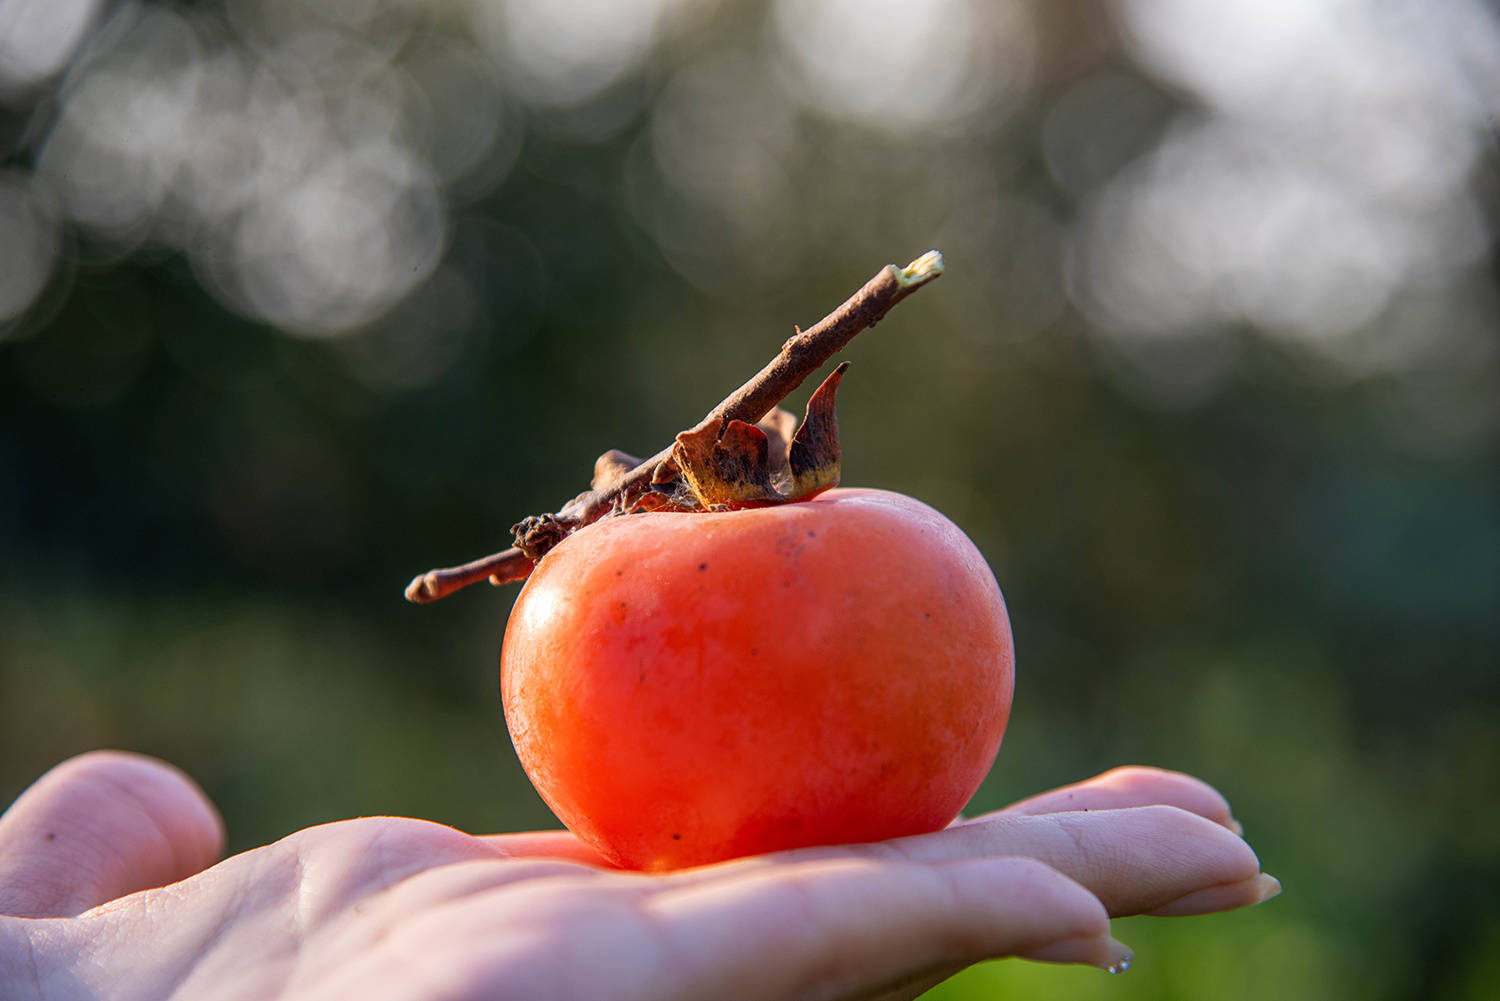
617, 492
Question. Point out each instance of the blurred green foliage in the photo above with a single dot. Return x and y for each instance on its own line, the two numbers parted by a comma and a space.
1286, 583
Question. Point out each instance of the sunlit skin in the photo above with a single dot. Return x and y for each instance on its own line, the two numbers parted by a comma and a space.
687, 688
109, 893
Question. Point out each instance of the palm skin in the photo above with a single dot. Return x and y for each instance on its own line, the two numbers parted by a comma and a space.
107, 884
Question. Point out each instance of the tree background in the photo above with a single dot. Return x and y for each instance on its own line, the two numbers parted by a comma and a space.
298, 299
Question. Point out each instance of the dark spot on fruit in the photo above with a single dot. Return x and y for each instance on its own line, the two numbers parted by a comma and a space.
51, 835
619, 573
811, 534
702, 566
755, 651
789, 547
676, 837
926, 615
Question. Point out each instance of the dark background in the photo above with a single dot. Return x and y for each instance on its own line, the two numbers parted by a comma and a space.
300, 299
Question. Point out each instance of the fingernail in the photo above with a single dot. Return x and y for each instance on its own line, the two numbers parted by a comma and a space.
1103, 952
1237, 827
1227, 897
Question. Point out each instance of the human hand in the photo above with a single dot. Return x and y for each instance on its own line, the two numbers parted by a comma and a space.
105, 878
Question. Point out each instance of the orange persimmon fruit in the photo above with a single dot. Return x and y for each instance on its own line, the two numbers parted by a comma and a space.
684, 688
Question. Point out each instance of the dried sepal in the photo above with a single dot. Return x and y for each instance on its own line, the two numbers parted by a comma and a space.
665, 500
665, 472
735, 464
611, 467
535, 536
725, 463
668, 491
814, 454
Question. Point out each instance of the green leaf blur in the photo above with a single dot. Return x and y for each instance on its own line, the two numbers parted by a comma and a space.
298, 300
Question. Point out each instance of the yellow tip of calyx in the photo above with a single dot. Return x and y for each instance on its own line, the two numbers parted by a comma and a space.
923, 269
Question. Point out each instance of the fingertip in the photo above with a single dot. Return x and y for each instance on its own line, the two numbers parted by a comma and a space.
1068, 923
1103, 951
1220, 854
1147, 783
171, 797
99, 826
168, 798
1130, 786
1061, 907
1226, 897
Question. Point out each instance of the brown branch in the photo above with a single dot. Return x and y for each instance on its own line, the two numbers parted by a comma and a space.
500, 568
803, 354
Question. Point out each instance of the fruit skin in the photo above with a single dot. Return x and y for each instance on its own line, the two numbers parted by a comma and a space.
687, 688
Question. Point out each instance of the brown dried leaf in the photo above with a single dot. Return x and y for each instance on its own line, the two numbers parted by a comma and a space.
726, 464
814, 453
736, 464
610, 467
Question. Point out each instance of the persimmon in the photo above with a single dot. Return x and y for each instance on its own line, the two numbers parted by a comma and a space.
686, 688
715, 654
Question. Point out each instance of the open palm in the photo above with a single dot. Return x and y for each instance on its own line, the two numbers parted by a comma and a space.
106, 882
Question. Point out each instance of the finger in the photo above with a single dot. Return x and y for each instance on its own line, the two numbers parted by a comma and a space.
1227, 897
1134, 860
548, 844
854, 927
1134, 785
100, 826
847, 927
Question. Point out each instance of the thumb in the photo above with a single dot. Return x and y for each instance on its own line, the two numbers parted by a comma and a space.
100, 826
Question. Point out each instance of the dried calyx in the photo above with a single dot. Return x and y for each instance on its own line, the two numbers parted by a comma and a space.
719, 465
726, 464
743, 454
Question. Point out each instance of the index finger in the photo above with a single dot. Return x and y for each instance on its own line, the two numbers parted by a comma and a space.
1131, 786
1135, 860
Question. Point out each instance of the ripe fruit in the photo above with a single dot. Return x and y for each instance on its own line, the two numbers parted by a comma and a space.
686, 688
713, 657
